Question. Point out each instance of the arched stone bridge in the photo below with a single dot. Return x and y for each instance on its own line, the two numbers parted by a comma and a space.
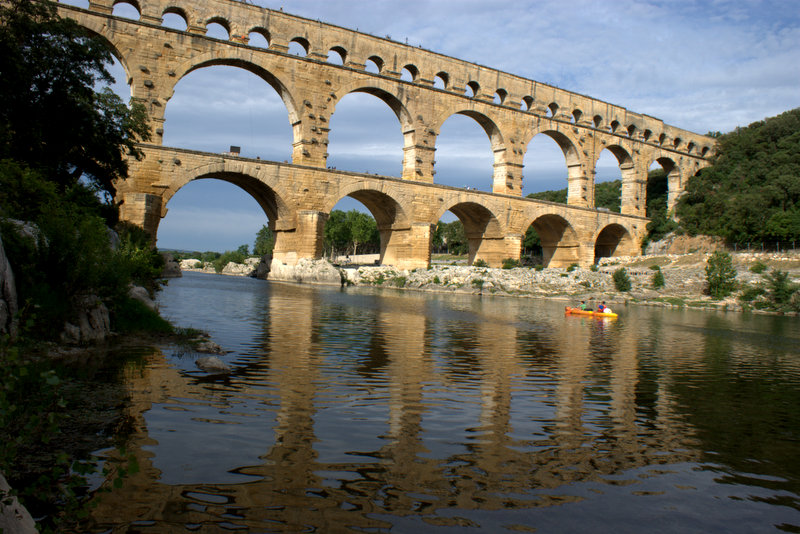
423, 89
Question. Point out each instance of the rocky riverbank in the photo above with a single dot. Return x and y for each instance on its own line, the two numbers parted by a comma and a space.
684, 278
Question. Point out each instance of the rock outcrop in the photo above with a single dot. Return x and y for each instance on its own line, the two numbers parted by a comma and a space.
14, 518
307, 271
139, 293
172, 269
8, 296
92, 324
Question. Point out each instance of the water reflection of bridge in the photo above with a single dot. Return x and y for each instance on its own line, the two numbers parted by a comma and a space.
546, 413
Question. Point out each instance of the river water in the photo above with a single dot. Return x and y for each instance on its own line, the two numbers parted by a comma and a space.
362, 410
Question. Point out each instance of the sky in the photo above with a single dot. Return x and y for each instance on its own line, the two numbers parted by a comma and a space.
701, 65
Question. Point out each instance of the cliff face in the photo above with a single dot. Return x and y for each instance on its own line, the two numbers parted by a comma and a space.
8, 295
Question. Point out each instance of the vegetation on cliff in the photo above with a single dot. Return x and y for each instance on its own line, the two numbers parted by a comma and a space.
752, 190
62, 147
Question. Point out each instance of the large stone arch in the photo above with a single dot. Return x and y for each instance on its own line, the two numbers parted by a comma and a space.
405, 123
269, 196
614, 240
391, 218
580, 192
633, 194
482, 228
675, 180
492, 129
560, 241
242, 61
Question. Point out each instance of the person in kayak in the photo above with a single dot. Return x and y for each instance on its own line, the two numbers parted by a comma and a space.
583, 305
602, 308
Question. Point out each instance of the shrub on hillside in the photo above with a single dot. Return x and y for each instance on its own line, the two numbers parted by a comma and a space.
621, 279
720, 275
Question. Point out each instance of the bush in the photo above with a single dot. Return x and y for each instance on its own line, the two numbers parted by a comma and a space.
479, 263
538, 267
436, 280
478, 283
658, 279
720, 275
510, 263
758, 267
572, 267
593, 268
230, 256
780, 289
621, 279
751, 293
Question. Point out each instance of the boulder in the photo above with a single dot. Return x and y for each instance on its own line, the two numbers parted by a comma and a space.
172, 269
139, 293
8, 296
14, 518
91, 325
262, 269
212, 364
307, 271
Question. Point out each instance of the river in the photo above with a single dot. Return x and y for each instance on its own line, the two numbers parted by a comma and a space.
369, 410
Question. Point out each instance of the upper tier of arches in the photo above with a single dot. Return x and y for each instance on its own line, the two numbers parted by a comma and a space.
282, 32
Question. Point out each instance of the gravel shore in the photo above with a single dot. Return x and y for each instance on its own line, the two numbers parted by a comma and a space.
684, 277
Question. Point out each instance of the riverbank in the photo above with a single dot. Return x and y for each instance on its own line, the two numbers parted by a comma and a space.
684, 279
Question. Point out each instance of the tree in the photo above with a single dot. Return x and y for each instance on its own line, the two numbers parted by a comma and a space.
621, 279
751, 191
243, 250
720, 275
265, 242
52, 119
363, 229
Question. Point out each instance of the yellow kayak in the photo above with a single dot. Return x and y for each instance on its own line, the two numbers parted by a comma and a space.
578, 311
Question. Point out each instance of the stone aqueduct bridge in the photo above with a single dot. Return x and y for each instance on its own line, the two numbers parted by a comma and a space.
423, 89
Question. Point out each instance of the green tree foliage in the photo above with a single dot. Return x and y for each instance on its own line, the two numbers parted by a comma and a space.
52, 119
265, 242
780, 287
658, 279
752, 190
720, 275
451, 236
559, 196
607, 195
61, 147
345, 232
621, 279
230, 256
661, 222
